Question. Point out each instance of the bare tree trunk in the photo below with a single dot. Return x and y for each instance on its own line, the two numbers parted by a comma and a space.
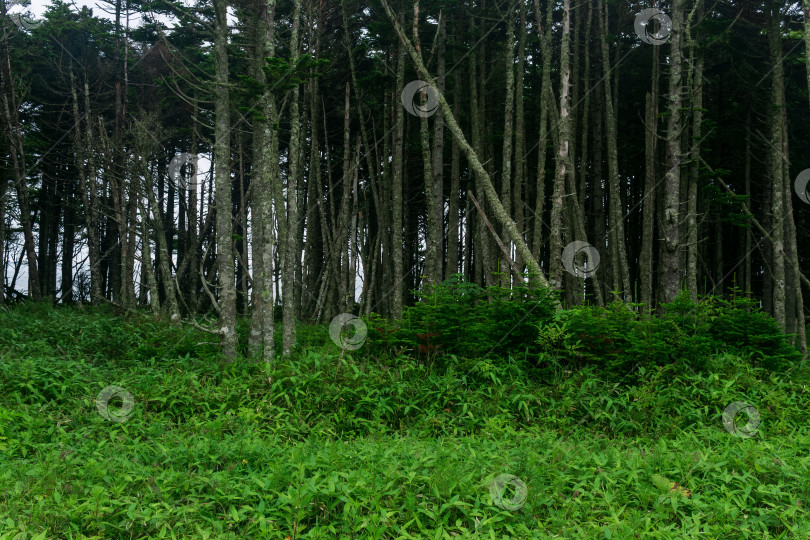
776, 163
10, 112
481, 244
520, 137
222, 174
146, 263
498, 210
795, 286
291, 259
546, 103
455, 181
748, 231
87, 181
618, 250
432, 229
164, 265
806, 6
508, 122
437, 220
265, 175
396, 191
670, 271
696, 90
563, 161
648, 204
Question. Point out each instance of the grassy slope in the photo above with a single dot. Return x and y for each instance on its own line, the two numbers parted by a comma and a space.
383, 449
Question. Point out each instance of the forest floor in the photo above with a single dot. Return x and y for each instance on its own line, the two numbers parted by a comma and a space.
382, 447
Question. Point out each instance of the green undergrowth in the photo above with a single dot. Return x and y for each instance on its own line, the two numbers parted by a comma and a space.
382, 446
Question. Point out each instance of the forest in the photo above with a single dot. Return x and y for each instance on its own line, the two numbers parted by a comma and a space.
404, 268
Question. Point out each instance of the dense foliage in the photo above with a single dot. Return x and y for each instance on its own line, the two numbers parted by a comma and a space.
458, 319
389, 445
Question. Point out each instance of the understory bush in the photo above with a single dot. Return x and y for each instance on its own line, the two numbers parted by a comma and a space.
461, 319
618, 339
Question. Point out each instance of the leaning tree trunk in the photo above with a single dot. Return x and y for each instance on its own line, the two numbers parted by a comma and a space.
498, 210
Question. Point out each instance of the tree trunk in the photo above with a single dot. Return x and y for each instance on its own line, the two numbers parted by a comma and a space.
498, 209
618, 250
17, 154
396, 190
508, 122
222, 175
776, 166
291, 259
670, 271
546, 103
648, 204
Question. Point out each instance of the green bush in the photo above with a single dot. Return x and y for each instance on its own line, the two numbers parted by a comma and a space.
618, 339
464, 320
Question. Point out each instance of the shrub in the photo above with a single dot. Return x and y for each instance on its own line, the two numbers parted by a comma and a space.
462, 319
617, 339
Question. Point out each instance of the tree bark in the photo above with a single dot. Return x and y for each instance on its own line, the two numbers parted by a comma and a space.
222, 174
670, 271
472, 157
776, 166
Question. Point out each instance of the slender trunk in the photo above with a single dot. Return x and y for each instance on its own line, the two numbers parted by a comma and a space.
519, 188
748, 284
508, 122
648, 205
10, 112
222, 175
618, 250
546, 103
292, 259
455, 181
563, 161
776, 167
437, 154
396, 191
670, 271
265, 175
694, 177
146, 264
475, 163
806, 6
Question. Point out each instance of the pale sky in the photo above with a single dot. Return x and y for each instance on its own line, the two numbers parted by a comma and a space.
38, 8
